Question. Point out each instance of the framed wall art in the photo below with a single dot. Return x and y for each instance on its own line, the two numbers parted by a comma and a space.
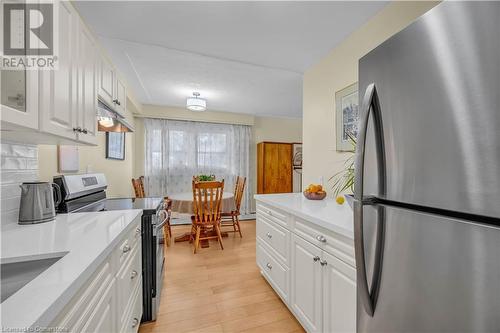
346, 117
115, 145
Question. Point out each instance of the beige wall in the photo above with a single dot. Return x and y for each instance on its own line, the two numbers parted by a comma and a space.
263, 129
336, 71
93, 159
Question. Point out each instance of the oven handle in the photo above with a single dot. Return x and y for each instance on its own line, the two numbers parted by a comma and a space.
165, 220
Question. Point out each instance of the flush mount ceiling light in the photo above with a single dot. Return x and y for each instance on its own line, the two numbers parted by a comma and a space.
196, 103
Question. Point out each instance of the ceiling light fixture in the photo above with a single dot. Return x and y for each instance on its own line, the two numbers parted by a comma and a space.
196, 103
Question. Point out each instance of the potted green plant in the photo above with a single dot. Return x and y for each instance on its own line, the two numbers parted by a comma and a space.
343, 181
205, 178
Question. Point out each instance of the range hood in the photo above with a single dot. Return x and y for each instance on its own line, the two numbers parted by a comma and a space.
111, 121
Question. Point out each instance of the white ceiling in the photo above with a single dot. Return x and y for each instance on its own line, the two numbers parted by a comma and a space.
244, 57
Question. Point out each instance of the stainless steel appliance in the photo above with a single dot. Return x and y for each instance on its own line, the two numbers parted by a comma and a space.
427, 196
37, 202
86, 193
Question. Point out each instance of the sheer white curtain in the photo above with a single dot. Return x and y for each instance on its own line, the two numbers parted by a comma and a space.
175, 151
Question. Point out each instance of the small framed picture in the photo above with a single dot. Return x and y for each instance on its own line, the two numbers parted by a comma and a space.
115, 145
347, 117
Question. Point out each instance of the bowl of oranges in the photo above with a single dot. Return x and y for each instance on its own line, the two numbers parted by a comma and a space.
314, 192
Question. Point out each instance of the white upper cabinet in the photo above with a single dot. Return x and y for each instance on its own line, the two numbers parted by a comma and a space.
106, 81
58, 88
59, 106
87, 84
306, 298
120, 100
112, 91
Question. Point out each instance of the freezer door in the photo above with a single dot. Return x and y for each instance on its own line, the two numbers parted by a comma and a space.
437, 274
438, 83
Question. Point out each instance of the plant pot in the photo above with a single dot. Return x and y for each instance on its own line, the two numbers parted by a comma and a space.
350, 199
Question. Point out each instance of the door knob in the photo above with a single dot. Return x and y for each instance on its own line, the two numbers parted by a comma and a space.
126, 248
133, 275
321, 238
268, 265
323, 263
269, 235
316, 258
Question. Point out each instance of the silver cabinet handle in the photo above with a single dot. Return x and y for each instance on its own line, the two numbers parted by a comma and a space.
126, 249
133, 275
138, 230
323, 263
269, 235
316, 258
135, 322
321, 239
85, 131
268, 265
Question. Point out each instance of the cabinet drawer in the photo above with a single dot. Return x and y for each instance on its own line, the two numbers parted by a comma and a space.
277, 237
133, 313
277, 275
335, 244
129, 242
273, 214
127, 279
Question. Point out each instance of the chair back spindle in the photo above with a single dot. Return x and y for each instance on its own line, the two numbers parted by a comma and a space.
138, 185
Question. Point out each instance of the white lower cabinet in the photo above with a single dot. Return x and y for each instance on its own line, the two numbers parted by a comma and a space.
339, 295
316, 285
307, 289
111, 300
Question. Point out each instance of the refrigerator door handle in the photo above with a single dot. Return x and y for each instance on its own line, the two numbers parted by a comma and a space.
370, 105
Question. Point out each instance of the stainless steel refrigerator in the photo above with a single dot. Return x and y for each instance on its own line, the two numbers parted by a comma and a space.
427, 195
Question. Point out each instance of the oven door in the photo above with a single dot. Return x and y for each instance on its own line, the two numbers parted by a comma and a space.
159, 267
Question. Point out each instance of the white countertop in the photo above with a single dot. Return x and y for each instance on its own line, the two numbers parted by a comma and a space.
85, 240
325, 213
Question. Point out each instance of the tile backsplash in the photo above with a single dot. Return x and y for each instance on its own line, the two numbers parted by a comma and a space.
19, 163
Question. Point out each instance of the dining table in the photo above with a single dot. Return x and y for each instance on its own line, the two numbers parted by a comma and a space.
182, 203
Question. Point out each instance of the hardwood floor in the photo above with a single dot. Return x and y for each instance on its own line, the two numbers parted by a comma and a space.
218, 291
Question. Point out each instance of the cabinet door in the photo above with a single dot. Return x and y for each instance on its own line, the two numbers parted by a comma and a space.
106, 82
87, 88
120, 97
18, 91
339, 295
285, 168
19, 98
306, 289
102, 318
58, 95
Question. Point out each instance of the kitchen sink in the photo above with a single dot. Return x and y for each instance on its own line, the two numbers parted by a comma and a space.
16, 275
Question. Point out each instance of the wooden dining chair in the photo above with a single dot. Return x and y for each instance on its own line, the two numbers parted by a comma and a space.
138, 185
207, 202
165, 215
232, 218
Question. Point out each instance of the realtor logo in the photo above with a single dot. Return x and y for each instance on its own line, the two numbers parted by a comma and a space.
28, 29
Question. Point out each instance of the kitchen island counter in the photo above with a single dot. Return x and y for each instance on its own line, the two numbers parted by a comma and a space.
325, 213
